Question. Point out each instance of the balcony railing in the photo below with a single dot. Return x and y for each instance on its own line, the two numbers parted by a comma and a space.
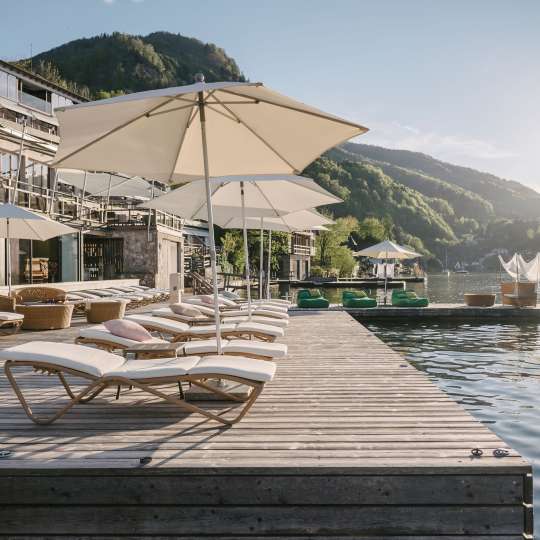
301, 249
34, 102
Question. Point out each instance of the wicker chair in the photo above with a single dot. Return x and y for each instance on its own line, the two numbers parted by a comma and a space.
105, 310
44, 308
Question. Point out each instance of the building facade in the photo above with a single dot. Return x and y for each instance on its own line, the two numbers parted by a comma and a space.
296, 265
114, 238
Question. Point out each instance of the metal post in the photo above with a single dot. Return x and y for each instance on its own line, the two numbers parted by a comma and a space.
261, 261
83, 194
8, 256
81, 255
246, 249
150, 215
213, 261
269, 264
108, 198
21, 147
53, 192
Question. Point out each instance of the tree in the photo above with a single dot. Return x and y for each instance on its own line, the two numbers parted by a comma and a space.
332, 254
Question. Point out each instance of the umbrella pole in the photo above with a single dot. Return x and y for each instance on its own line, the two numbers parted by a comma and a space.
8, 255
269, 267
18, 177
246, 249
261, 261
53, 193
210, 216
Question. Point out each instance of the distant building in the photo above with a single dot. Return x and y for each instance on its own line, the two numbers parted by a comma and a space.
115, 239
296, 264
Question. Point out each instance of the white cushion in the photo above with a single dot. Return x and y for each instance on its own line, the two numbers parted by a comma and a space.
168, 313
87, 359
205, 329
8, 316
271, 314
157, 367
261, 328
236, 346
227, 302
161, 322
280, 323
101, 333
233, 313
269, 307
247, 368
187, 310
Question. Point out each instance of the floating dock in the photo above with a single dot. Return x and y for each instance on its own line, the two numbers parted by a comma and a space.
348, 442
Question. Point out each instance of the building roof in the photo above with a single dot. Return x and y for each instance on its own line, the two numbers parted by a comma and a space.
33, 77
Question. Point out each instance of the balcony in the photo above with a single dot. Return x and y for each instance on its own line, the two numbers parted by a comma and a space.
302, 249
34, 102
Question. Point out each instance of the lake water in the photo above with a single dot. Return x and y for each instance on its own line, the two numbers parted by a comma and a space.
493, 370
439, 288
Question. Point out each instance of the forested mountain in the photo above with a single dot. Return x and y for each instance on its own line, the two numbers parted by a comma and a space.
436, 207
121, 63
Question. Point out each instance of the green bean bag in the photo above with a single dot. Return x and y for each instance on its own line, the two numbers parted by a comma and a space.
311, 299
402, 298
357, 299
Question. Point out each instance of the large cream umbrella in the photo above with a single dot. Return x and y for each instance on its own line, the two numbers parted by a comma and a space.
195, 131
386, 250
17, 222
302, 220
237, 199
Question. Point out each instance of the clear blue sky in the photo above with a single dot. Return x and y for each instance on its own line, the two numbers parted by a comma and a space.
457, 79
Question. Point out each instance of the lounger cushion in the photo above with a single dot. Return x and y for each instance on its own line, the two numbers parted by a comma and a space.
8, 316
100, 332
238, 366
169, 313
87, 359
157, 367
205, 329
261, 328
280, 323
181, 308
161, 322
236, 346
128, 329
226, 302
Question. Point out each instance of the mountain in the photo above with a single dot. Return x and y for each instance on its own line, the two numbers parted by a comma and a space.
121, 63
508, 198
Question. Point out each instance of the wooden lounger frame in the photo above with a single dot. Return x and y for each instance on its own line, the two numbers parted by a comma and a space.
10, 327
99, 384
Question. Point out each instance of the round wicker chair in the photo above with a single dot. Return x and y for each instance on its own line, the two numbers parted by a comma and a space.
105, 310
46, 316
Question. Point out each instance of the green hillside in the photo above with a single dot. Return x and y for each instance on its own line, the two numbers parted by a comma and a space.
122, 63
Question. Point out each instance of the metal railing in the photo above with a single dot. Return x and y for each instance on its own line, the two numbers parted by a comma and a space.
34, 102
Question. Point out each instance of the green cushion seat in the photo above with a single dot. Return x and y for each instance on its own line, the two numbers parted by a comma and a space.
401, 298
311, 299
357, 299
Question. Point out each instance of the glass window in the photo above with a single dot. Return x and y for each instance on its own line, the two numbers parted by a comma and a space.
12, 90
3, 84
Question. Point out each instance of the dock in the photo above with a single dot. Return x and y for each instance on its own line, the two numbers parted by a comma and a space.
348, 441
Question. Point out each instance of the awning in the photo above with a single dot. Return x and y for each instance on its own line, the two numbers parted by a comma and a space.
193, 231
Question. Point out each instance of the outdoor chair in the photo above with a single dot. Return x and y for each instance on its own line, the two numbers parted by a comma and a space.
99, 336
99, 311
401, 298
311, 299
103, 370
357, 299
181, 331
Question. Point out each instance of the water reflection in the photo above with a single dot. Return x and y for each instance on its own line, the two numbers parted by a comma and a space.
493, 370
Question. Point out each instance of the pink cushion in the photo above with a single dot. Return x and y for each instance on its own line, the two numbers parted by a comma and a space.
128, 329
185, 309
207, 299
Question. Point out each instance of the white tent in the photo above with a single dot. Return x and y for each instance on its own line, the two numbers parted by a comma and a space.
520, 270
196, 131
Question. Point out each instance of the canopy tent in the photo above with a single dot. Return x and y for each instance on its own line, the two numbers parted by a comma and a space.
520, 270
17, 222
303, 220
253, 196
387, 250
195, 131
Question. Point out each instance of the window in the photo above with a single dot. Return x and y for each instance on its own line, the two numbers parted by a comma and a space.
8, 86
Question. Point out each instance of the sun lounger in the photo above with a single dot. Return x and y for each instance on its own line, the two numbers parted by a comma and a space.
311, 299
103, 370
181, 331
100, 337
10, 323
168, 313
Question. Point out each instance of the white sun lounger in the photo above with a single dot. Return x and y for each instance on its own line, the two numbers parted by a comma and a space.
103, 370
100, 337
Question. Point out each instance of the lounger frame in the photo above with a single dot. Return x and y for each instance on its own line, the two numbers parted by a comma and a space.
10, 327
98, 384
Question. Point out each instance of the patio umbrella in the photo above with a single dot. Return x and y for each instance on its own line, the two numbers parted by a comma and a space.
302, 220
17, 222
195, 131
253, 197
387, 250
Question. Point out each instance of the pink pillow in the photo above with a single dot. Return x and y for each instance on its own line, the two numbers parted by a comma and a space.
128, 330
185, 309
207, 299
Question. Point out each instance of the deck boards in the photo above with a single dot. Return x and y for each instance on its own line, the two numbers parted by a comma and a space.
349, 439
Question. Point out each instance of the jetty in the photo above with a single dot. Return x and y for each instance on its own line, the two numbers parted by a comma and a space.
348, 441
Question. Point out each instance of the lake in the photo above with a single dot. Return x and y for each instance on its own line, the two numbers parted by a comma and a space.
493, 370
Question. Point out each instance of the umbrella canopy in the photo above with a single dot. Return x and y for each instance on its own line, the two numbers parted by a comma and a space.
302, 220
195, 131
250, 129
17, 222
265, 196
387, 250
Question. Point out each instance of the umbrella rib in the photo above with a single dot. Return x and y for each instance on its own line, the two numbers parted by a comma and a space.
114, 130
253, 132
151, 115
297, 109
270, 204
180, 144
231, 118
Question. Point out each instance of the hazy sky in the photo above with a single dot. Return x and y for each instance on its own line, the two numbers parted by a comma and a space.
457, 79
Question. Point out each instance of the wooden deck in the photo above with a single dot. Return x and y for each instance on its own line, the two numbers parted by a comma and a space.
349, 441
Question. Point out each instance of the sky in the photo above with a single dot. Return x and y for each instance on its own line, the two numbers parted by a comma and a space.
456, 79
